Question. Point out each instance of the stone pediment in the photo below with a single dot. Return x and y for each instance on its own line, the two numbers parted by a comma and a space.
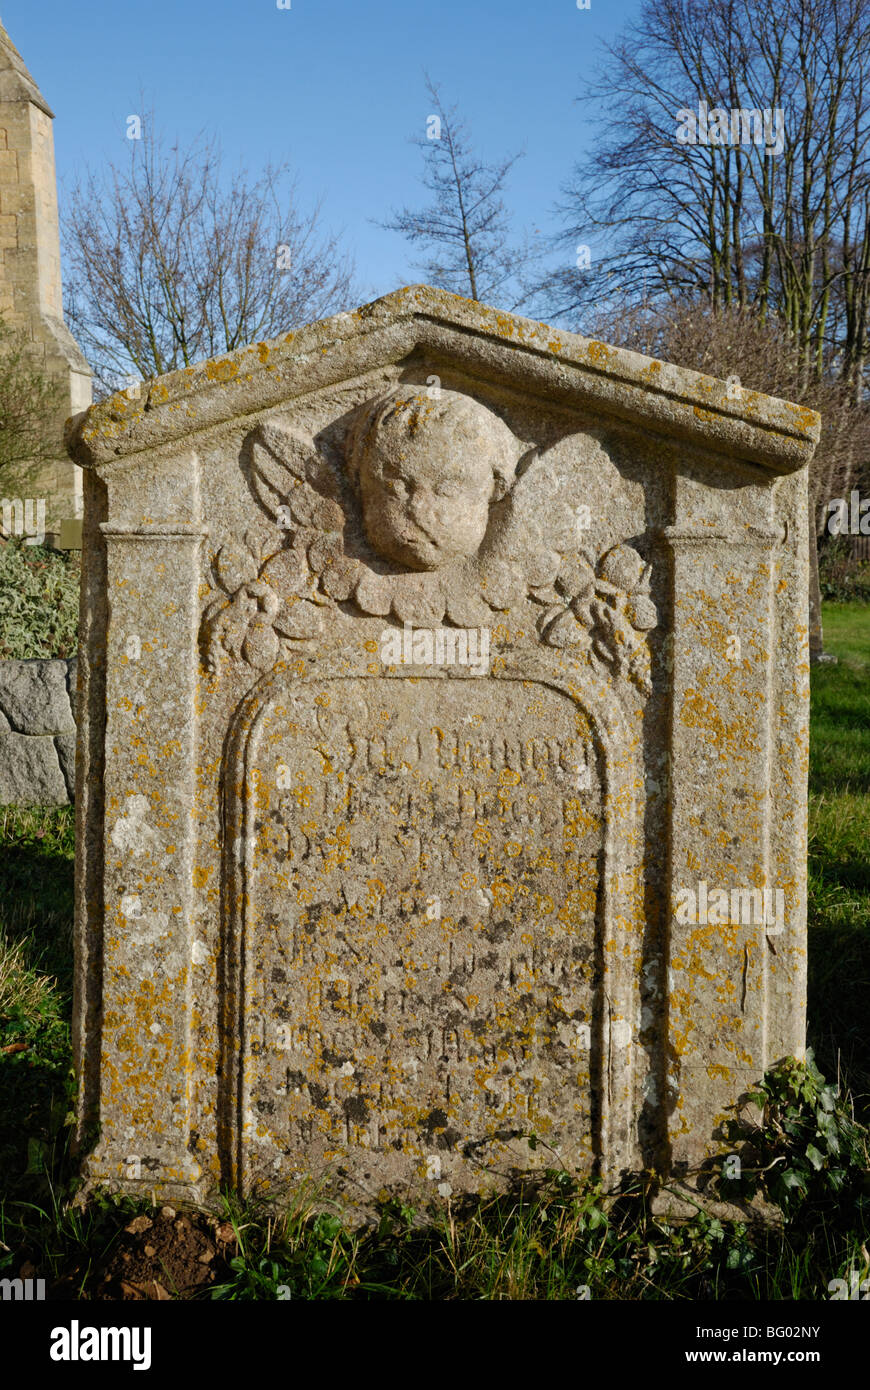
561, 368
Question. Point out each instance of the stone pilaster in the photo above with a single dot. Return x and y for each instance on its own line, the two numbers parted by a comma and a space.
723, 780
148, 848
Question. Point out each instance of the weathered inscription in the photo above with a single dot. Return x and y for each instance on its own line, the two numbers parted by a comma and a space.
424, 889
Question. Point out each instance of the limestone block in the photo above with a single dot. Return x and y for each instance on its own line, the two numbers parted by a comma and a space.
30, 773
66, 752
33, 696
30, 278
72, 670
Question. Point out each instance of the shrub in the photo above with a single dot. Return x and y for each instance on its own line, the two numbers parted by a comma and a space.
843, 579
39, 601
806, 1147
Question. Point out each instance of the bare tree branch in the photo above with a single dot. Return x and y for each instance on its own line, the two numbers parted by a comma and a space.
466, 226
171, 262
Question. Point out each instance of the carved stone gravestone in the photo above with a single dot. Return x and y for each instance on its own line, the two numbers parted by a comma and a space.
442, 759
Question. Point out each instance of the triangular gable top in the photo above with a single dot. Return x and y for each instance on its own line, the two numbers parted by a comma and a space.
16, 84
486, 342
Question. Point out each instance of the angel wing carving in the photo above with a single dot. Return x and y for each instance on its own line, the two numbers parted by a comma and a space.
538, 555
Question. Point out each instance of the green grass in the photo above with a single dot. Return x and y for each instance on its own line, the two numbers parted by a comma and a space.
560, 1238
840, 734
839, 852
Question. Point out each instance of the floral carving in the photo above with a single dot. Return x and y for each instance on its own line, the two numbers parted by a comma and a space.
423, 554
608, 609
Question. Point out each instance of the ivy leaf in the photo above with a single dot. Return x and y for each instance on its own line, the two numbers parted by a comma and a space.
816, 1158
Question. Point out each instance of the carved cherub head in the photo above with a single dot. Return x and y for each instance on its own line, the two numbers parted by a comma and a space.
428, 471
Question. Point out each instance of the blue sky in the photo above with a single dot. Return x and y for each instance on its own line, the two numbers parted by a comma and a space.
334, 86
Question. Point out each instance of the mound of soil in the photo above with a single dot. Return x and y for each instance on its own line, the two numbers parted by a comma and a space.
167, 1255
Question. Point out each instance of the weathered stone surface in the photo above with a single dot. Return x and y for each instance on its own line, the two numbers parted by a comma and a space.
33, 696
66, 753
30, 773
34, 768
409, 641
72, 668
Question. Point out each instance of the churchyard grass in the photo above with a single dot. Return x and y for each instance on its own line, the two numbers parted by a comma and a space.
839, 852
559, 1238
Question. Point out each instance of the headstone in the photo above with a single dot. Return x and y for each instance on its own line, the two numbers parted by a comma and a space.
442, 759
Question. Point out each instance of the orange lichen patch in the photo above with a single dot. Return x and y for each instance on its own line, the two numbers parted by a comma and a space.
652, 370
808, 421
700, 713
222, 369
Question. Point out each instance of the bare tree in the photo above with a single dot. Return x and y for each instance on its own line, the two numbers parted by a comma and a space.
780, 223
171, 263
734, 342
466, 226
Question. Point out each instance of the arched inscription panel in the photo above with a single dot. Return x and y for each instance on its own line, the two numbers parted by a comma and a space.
423, 957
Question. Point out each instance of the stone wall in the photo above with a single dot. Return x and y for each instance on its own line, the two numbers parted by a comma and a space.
37, 732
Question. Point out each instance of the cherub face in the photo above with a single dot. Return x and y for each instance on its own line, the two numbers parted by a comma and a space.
424, 512
428, 473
